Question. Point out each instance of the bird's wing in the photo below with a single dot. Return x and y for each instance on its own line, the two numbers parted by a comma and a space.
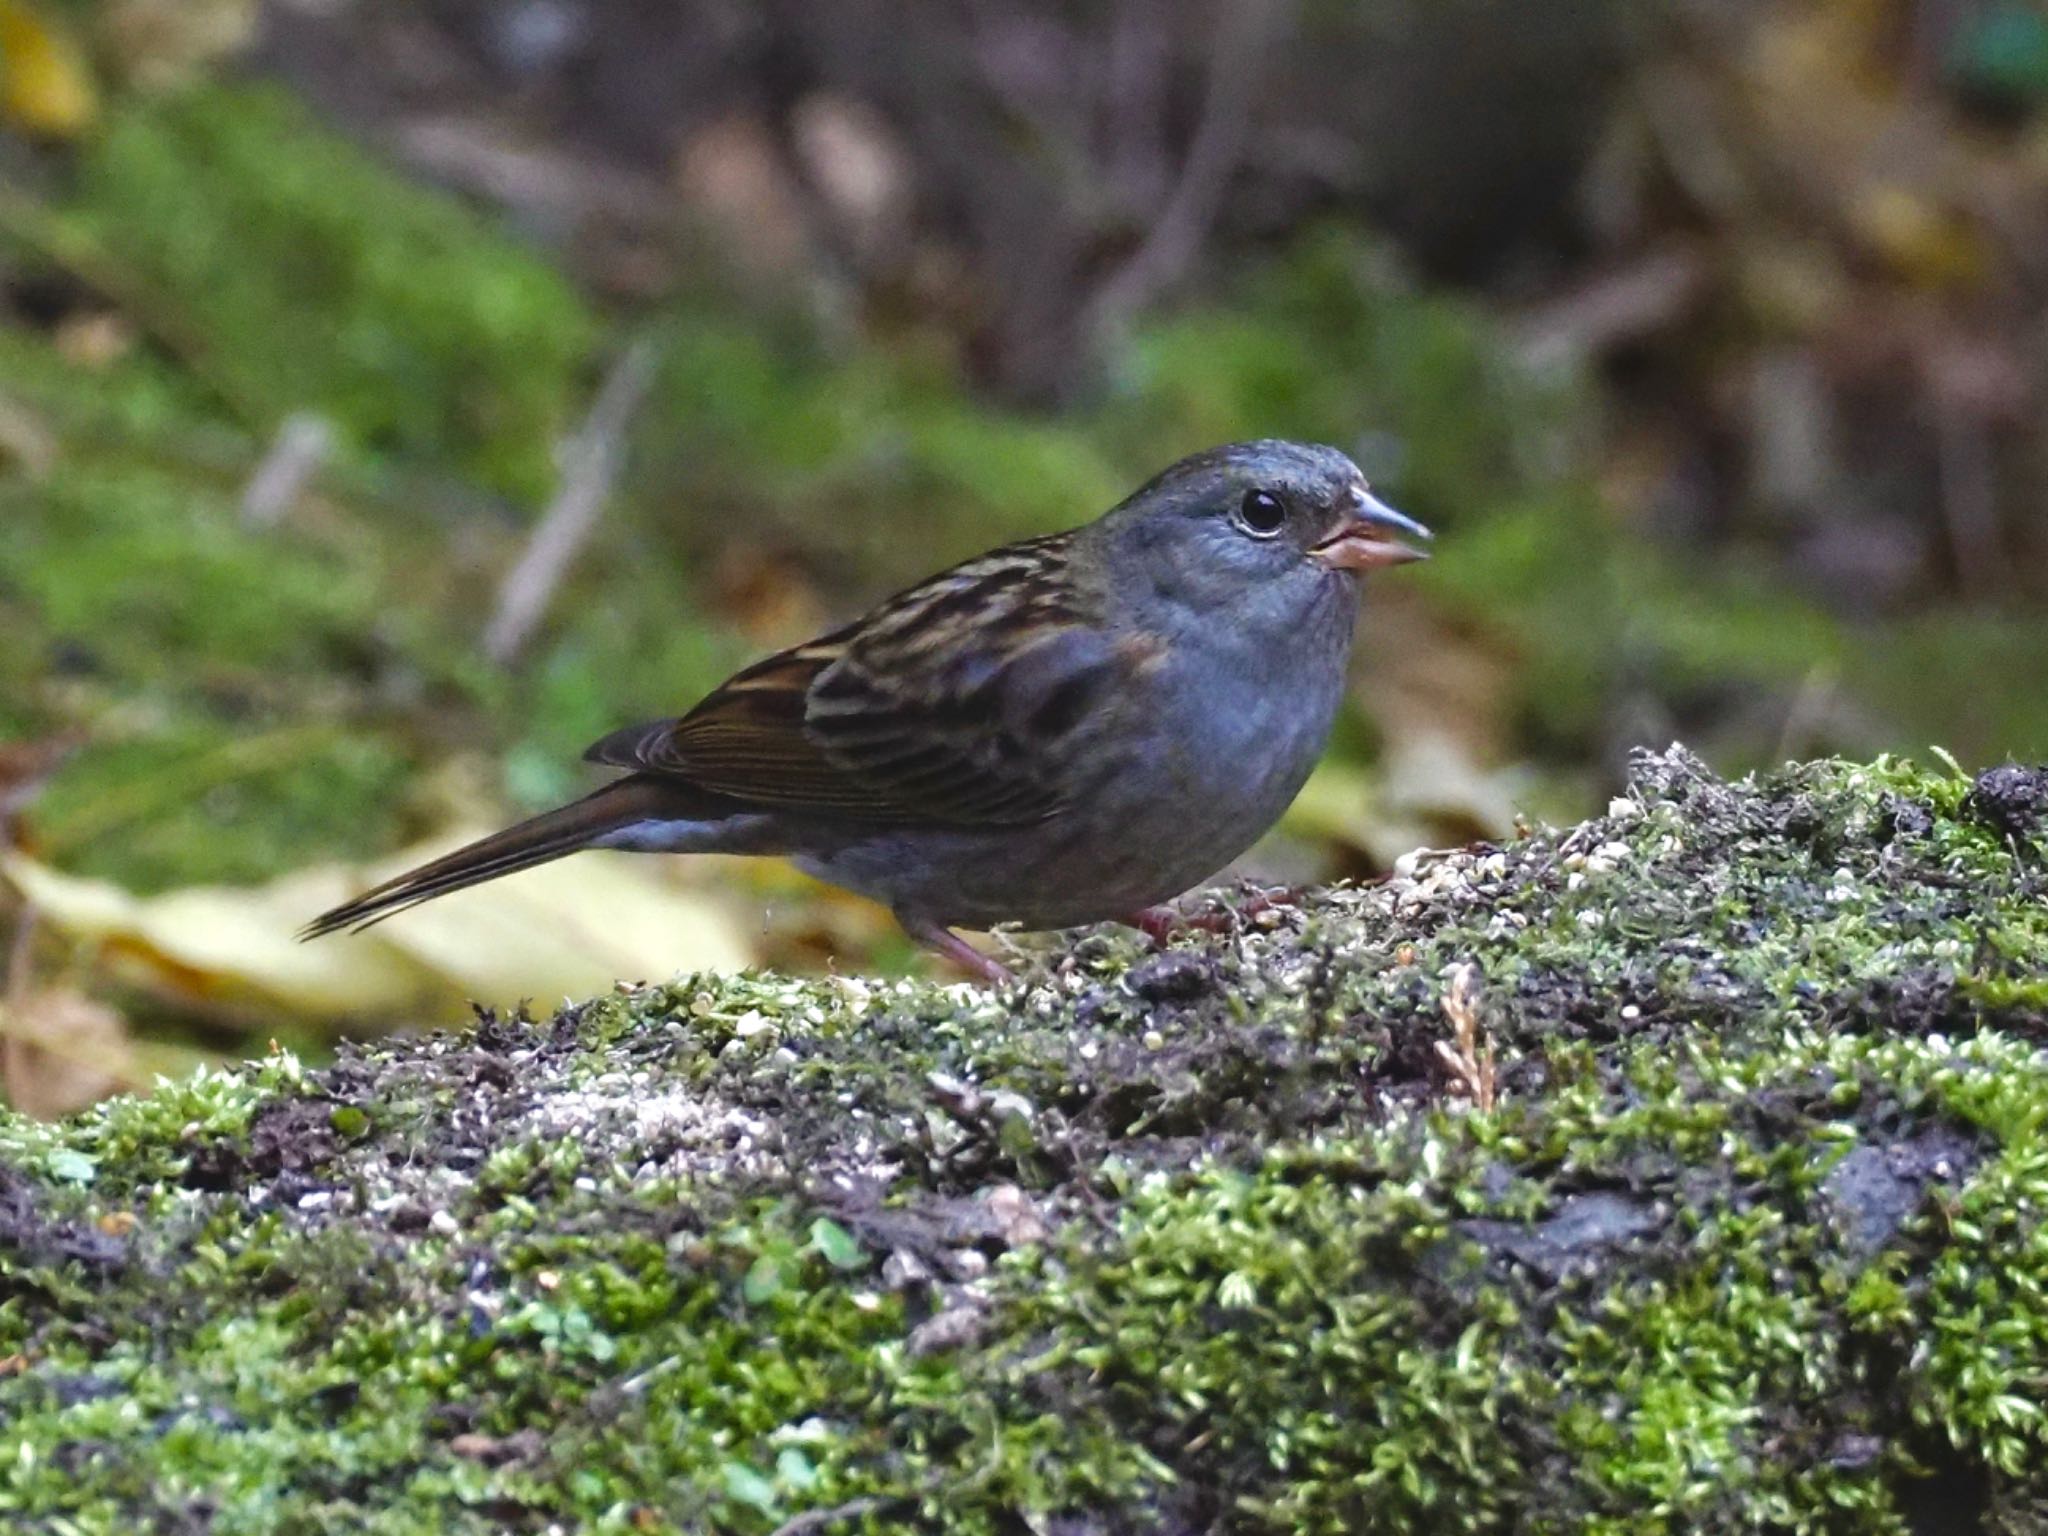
958, 702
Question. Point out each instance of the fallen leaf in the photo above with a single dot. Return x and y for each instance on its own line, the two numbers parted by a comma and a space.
567, 930
60, 1051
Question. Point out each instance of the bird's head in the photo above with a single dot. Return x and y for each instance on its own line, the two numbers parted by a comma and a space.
1273, 517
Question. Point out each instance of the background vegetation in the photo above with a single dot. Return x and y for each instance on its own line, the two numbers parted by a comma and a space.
1708, 335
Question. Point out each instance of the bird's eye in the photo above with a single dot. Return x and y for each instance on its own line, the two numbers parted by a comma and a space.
1260, 514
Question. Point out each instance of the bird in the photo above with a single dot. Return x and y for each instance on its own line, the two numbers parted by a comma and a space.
1066, 730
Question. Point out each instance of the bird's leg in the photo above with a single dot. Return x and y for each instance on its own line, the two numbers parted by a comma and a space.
944, 941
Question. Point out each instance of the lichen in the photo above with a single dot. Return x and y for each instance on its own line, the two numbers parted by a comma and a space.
1752, 1238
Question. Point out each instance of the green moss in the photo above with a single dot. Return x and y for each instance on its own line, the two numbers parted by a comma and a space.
290, 271
1753, 1239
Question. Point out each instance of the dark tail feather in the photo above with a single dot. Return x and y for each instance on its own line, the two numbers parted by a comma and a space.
550, 835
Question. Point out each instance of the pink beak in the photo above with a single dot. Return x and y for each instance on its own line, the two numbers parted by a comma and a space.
1365, 544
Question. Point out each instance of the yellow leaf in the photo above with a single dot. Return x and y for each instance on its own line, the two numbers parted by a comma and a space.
568, 930
45, 86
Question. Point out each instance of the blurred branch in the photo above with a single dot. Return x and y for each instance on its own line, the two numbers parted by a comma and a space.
20, 952
590, 462
25, 767
302, 443
1628, 304
545, 182
1243, 37
1969, 494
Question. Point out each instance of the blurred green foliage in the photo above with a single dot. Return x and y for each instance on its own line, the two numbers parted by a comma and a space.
290, 272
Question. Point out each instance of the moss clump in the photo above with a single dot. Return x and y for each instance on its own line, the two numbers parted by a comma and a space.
1754, 1237
289, 271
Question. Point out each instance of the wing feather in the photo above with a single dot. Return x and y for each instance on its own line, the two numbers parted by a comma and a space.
954, 703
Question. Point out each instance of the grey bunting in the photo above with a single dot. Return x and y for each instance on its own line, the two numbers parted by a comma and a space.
1068, 730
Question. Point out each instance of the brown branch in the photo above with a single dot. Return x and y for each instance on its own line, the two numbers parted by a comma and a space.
1618, 307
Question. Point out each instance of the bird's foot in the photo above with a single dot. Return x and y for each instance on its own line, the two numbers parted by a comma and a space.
944, 941
1161, 923
1157, 923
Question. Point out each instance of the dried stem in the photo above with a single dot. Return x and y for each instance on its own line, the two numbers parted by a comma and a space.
819, 1519
1468, 1055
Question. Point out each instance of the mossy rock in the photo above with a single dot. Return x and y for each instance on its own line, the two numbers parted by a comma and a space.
1754, 1237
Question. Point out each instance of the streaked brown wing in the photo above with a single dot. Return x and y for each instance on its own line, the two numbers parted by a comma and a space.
951, 704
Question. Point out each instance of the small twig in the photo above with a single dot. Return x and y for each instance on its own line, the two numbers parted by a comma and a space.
15, 1054
818, 1519
1470, 1059
590, 461
302, 444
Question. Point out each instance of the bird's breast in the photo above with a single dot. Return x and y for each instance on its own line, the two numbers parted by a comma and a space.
1231, 728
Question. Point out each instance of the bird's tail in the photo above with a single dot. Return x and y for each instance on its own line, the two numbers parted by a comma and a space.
550, 835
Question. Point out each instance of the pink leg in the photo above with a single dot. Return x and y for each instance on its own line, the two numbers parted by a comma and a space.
956, 949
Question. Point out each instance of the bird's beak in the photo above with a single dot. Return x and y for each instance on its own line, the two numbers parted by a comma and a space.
1365, 543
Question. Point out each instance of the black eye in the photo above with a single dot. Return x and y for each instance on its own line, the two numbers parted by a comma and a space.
1260, 514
